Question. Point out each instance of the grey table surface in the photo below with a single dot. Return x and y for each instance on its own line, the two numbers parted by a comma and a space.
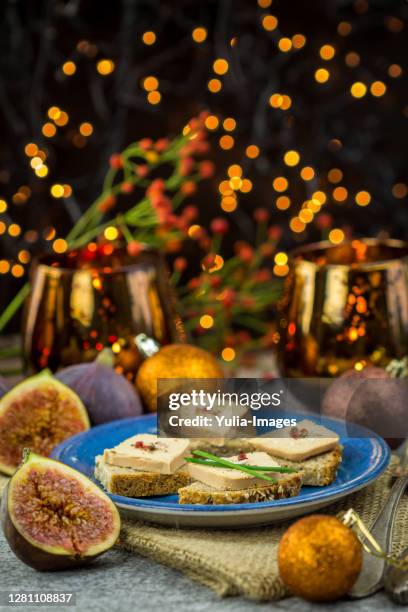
122, 581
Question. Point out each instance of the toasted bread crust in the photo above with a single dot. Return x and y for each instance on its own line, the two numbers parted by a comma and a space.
199, 493
131, 483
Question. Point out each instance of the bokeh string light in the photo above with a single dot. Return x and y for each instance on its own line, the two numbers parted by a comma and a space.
301, 117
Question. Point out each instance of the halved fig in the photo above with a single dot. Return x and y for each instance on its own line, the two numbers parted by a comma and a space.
38, 414
54, 517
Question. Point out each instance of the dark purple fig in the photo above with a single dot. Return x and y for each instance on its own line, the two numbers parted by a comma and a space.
54, 517
39, 413
106, 394
372, 398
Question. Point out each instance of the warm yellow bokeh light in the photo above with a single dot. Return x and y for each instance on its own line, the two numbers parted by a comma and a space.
291, 158
234, 170
275, 100
4, 266
252, 151
149, 37
344, 28
358, 89
246, 186
111, 233
399, 190
363, 198
214, 85
69, 68
280, 183
86, 128
3, 206
340, 194
281, 258
154, 97
282, 203
307, 173
14, 230
49, 130
24, 256
220, 66
60, 245
229, 124
150, 83
297, 225
336, 236
320, 196
57, 191
280, 270
322, 75
285, 44
226, 142
211, 122
228, 354
335, 175
235, 183
41, 171
206, 321
378, 89
105, 67
199, 35
17, 270
269, 22
352, 59
229, 203
298, 41
327, 52
30, 149
61, 119
395, 71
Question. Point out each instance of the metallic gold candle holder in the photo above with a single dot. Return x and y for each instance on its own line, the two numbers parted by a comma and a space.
344, 306
83, 301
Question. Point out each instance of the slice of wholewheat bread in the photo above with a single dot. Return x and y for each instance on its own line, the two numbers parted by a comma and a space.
287, 485
134, 483
317, 471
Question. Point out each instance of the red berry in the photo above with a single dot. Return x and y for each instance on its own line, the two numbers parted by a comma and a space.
261, 215
206, 169
127, 187
219, 226
134, 248
145, 144
188, 188
180, 264
116, 161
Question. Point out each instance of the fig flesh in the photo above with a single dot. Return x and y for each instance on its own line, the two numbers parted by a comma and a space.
39, 414
54, 517
106, 394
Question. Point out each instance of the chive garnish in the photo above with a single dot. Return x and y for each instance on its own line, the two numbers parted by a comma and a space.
259, 468
234, 466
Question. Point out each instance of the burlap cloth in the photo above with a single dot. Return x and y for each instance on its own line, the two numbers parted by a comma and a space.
244, 562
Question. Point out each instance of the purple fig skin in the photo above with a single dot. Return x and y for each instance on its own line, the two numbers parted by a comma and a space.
34, 556
106, 394
380, 405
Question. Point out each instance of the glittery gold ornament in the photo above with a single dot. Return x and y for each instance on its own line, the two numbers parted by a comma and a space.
174, 361
319, 558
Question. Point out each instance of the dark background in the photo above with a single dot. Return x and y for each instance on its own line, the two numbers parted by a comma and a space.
366, 138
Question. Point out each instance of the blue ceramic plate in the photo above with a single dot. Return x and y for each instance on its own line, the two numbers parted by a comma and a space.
366, 455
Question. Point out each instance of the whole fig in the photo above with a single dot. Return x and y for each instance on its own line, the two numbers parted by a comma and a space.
372, 398
106, 394
54, 517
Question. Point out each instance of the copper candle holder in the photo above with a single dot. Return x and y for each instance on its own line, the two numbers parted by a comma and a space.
83, 301
344, 306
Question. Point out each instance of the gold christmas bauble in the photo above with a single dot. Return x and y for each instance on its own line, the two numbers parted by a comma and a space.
174, 361
319, 558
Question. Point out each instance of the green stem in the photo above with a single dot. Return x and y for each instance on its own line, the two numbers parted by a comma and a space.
233, 466
14, 305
